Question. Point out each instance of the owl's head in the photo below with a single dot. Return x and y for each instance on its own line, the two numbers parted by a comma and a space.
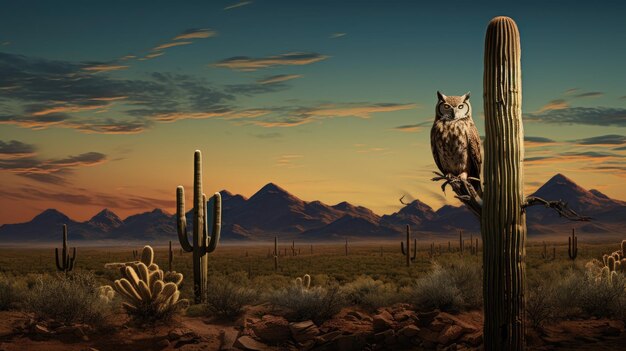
453, 107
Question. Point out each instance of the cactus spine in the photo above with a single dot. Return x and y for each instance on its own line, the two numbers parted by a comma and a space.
407, 253
503, 221
203, 242
572, 246
65, 262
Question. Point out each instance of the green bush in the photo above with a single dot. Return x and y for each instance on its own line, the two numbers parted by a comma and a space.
72, 298
437, 290
227, 296
370, 293
11, 293
316, 303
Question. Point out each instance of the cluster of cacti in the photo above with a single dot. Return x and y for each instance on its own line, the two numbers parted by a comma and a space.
432, 252
304, 282
65, 262
545, 255
203, 241
144, 288
572, 246
106, 293
407, 252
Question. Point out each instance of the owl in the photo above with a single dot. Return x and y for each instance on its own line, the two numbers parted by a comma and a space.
454, 139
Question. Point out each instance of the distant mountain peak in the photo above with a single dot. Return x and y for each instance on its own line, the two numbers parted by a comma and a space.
51, 213
271, 187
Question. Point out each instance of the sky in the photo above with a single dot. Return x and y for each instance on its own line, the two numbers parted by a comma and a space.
102, 104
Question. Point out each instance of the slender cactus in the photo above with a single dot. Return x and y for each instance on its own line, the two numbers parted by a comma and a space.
276, 253
135, 254
293, 248
449, 246
503, 221
461, 242
65, 262
572, 246
407, 253
203, 241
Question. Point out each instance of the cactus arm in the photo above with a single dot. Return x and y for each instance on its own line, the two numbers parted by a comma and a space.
402, 248
58, 263
414, 250
181, 221
217, 222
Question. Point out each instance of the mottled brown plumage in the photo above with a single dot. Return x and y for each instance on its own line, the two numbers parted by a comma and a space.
454, 139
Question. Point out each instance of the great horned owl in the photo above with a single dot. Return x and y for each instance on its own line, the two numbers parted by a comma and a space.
454, 140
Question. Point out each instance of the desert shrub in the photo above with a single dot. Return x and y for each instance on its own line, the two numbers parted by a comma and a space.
540, 304
437, 290
370, 293
227, 296
72, 298
11, 292
316, 303
603, 297
468, 278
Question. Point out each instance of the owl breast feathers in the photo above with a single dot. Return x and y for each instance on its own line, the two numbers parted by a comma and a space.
454, 139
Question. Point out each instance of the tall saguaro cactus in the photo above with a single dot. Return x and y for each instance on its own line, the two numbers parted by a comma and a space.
407, 253
202, 242
572, 246
65, 263
503, 222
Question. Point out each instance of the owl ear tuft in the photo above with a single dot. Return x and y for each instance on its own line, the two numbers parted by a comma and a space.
466, 96
440, 96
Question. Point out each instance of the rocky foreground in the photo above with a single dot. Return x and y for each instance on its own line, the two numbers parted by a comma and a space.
392, 328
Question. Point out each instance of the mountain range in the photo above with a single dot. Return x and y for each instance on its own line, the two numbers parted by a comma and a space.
274, 211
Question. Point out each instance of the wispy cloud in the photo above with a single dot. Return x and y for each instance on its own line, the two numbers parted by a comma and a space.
171, 45
244, 63
278, 78
239, 4
412, 128
610, 139
288, 160
24, 162
16, 149
532, 141
104, 68
337, 35
296, 116
196, 33
556, 104
589, 94
600, 116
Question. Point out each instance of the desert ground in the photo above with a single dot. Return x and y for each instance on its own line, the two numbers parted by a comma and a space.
365, 299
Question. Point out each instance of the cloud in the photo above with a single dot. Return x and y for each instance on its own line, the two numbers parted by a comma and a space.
278, 78
599, 116
411, 128
288, 160
239, 4
151, 56
104, 68
244, 63
15, 149
296, 116
572, 156
51, 171
337, 35
254, 89
170, 45
196, 33
611, 139
571, 91
531, 141
556, 104
589, 94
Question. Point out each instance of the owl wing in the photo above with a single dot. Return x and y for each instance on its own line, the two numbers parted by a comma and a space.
433, 148
475, 155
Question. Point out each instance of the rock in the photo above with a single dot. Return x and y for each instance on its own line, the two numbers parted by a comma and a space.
303, 331
473, 339
359, 315
382, 321
428, 335
163, 343
450, 334
426, 318
178, 333
247, 343
450, 319
382, 336
351, 318
452, 347
404, 315
229, 337
41, 330
328, 337
273, 329
409, 331
68, 329
348, 343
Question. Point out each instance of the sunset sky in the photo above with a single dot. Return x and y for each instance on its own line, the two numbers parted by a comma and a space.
103, 103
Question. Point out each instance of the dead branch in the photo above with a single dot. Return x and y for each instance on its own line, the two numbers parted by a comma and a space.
402, 202
464, 191
559, 206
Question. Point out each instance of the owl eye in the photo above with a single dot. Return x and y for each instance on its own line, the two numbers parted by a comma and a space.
446, 106
461, 106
